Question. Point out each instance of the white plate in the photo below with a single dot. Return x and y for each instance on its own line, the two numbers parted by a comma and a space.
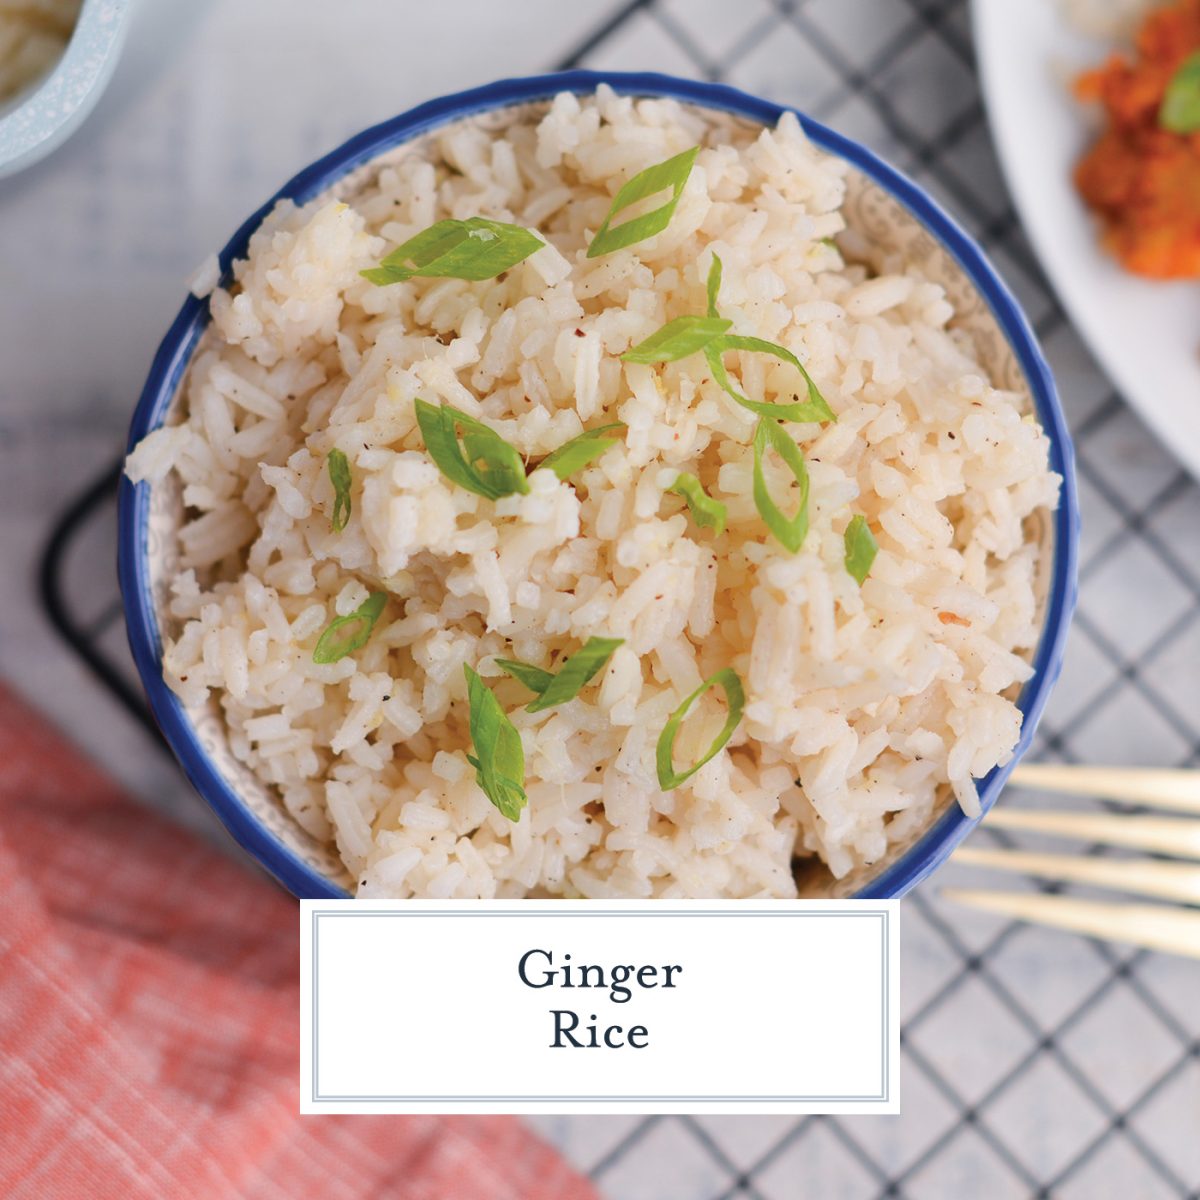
1145, 334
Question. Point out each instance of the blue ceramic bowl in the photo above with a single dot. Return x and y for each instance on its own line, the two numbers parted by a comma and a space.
302, 877
36, 121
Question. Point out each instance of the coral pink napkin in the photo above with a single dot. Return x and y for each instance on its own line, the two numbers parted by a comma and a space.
149, 1021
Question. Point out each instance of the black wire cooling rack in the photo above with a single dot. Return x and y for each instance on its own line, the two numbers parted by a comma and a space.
1034, 1064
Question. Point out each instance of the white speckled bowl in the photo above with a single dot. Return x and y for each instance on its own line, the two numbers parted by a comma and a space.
41, 118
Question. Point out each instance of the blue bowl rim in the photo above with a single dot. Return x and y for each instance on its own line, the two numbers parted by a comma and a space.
174, 353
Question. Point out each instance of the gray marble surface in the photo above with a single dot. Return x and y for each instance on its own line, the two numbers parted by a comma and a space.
1034, 1063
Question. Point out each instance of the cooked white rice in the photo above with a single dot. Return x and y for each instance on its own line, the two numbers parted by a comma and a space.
862, 703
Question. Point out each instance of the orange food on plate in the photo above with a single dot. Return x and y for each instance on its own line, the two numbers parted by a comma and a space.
1141, 179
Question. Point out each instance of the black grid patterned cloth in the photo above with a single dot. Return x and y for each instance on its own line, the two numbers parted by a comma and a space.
1034, 1064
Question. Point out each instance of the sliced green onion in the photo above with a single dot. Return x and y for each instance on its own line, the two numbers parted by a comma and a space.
472, 249
735, 700
339, 476
672, 175
789, 531
577, 671
534, 678
499, 758
347, 634
677, 339
705, 511
1180, 109
861, 547
581, 451
812, 409
490, 467
715, 270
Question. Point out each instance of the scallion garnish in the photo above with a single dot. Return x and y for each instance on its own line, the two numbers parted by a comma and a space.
710, 334
790, 531
861, 547
735, 700
576, 672
499, 758
339, 476
677, 339
534, 678
472, 249
670, 175
705, 511
490, 467
347, 634
1180, 109
713, 285
581, 450
814, 409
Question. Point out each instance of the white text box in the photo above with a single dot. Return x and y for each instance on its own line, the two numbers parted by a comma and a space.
692, 1006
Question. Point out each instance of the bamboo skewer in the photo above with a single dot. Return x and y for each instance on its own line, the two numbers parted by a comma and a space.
1140, 876
1153, 926
1158, 927
1178, 790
